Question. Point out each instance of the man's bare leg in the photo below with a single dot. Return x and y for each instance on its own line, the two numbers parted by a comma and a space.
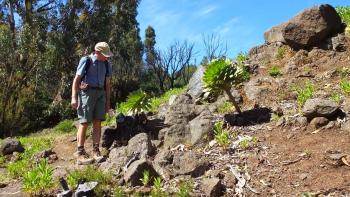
96, 137
81, 134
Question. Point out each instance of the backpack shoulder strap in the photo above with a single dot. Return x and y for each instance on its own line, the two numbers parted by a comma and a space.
107, 67
87, 65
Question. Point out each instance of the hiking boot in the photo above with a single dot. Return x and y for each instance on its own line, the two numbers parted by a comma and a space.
83, 158
97, 155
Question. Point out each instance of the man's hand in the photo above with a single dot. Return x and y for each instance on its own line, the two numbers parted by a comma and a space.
74, 103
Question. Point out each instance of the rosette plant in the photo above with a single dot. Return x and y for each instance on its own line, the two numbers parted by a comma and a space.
138, 102
221, 75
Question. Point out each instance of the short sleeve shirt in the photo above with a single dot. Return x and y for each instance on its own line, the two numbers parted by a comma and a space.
96, 73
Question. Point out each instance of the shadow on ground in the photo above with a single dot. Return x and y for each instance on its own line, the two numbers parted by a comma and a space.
248, 118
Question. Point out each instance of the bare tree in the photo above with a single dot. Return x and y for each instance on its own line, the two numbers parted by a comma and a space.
176, 58
214, 46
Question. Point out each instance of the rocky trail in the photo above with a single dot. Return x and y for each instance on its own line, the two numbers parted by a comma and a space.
277, 147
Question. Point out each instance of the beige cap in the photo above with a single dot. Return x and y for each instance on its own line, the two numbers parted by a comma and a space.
104, 49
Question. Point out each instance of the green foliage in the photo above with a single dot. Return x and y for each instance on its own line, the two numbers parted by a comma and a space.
225, 107
304, 93
65, 126
19, 168
156, 102
274, 71
221, 75
110, 120
118, 191
185, 189
247, 143
221, 135
157, 188
137, 102
2, 161
344, 13
281, 52
145, 178
345, 86
39, 180
336, 98
241, 57
90, 173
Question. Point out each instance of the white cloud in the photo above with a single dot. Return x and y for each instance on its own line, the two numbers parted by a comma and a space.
206, 10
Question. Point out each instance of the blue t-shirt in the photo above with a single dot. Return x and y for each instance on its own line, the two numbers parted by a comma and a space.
96, 72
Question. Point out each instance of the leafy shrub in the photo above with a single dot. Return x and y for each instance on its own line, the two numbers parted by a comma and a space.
221, 135
304, 93
225, 107
34, 145
137, 102
274, 71
345, 86
221, 75
65, 126
90, 173
241, 57
38, 180
344, 13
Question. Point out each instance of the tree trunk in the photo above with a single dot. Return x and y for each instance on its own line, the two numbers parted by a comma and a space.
232, 99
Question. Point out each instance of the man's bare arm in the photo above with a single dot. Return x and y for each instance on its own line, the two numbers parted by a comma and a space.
75, 90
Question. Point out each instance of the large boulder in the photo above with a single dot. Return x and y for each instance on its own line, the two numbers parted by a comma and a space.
116, 160
10, 145
134, 173
308, 28
319, 107
140, 144
201, 126
195, 85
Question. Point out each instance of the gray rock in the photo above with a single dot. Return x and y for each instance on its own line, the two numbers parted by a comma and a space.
346, 126
10, 145
256, 89
135, 172
318, 122
116, 160
308, 28
212, 187
85, 189
195, 85
319, 107
141, 144
200, 126
177, 134
302, 121
189, 163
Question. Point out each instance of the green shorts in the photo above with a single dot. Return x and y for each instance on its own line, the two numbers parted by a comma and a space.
91, 105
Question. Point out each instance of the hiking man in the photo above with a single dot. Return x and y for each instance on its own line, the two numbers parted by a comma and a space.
91, 98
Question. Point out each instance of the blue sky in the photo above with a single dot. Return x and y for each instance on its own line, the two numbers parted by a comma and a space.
240, 23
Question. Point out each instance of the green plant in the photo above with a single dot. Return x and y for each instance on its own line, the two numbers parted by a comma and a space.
119, 191
221, 135
90, 173
247, 143
307, 153
336, 98
274, 71
18, 168
38, 180
304, 93
345, 86
221, 75
281, 51
241, 57
185, 189
344, 13
157, 188
2, 161
35, 144
136, 102
225, 107
145, 178
65, 126
157, 101
110, 120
